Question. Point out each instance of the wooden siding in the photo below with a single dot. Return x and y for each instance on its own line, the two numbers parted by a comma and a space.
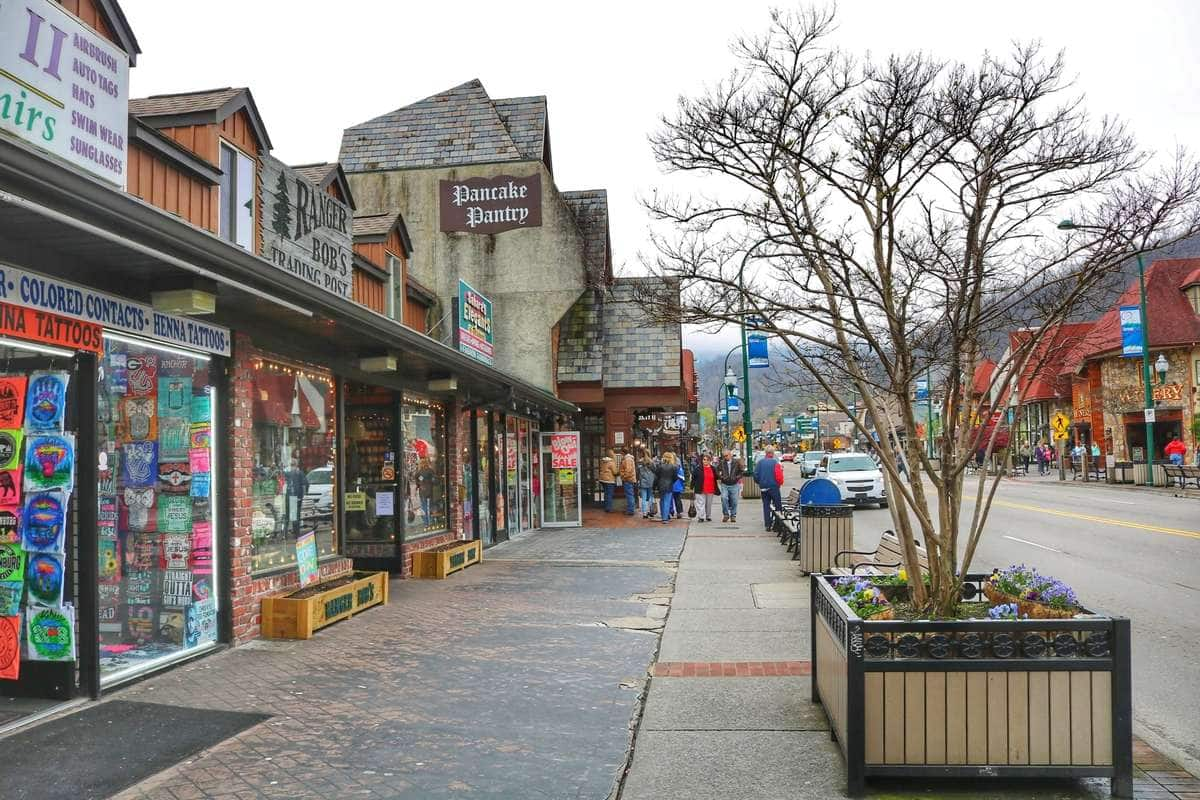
162, 185
90, 13
995, 718
831, 680
369, 291
373, 252
416, 315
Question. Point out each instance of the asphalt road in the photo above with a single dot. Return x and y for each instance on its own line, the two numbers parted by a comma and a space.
1124, 551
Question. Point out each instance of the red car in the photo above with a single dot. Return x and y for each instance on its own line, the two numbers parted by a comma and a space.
788, 457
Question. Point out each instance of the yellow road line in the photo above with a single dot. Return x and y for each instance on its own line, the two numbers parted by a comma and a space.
1141, 526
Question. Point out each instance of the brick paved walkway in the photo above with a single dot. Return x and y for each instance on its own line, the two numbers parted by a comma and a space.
500, 681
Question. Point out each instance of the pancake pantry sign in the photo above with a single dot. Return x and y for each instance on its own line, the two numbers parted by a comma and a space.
490, 205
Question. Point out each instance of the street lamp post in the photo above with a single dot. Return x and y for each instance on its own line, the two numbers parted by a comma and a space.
1143, 312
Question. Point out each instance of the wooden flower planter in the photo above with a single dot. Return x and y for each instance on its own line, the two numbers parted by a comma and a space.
974, 698
286, 616
438, 562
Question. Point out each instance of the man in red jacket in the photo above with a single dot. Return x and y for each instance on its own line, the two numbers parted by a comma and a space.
1176, 450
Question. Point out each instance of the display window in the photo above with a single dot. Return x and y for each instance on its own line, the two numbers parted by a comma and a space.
535, 475
295, 477
370, 442
511, 479
483, 460
522, 441
423, 425
158, 564
466, 476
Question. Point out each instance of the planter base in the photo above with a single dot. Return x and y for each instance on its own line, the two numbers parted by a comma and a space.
285, 616
438, 562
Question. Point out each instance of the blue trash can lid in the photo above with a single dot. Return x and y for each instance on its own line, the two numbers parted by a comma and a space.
820, 491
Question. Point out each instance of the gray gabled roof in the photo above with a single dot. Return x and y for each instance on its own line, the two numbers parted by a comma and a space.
325, 175
119, 23
376, 227
590, 208
638, 352
581, 340
205, 107
461, 125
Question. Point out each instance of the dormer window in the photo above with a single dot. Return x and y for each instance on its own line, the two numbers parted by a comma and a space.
237, 197
1193, 296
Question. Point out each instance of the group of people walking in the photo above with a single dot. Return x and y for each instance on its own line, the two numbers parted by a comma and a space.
654, 487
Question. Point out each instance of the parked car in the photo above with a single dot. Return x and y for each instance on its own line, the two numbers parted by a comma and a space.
320, 490
809, 462
857, 477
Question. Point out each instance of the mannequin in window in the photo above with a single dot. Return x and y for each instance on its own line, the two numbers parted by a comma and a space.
295, 487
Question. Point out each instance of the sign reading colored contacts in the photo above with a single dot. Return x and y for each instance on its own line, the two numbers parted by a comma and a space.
490, 205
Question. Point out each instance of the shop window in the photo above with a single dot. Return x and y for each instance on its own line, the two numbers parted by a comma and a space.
236, 222
483, 460
466, 478
158, 561
294, 489
394, 268
370, 466
425, 468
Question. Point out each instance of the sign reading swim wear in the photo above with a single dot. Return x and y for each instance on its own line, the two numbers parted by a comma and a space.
30, 290
473, 331
490, 205
306, 232
63, 87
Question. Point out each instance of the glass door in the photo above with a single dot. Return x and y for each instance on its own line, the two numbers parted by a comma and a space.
516, 522
523, 467
561, 499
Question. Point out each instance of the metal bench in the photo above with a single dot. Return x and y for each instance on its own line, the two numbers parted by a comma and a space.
1094, 468
885, 559
1182, 475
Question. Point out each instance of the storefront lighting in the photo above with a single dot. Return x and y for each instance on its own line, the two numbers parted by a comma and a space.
1161, 366
37, 348
155, 346
378, 364
190, 302
443, 385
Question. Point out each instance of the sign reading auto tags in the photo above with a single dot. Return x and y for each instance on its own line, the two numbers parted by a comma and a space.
306, 232
490, 205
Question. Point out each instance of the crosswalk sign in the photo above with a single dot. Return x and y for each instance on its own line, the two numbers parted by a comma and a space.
739, 435
1061, 423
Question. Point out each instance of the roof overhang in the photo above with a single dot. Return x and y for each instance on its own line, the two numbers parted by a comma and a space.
172, 152
144, 246
242, 100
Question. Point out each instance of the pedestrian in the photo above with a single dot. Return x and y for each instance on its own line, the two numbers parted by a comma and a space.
1039, 455
1024, 455
768, 474
628, 480
608, 479
704, 485
677, 490
729, 473
664, 481
1175, 450
646, 484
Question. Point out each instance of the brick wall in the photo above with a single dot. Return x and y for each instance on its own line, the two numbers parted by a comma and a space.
247, 591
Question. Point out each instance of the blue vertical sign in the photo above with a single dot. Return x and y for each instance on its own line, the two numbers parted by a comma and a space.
1131, 331
756, 346
922, 389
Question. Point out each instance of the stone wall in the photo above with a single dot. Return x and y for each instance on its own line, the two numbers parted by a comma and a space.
1124, 394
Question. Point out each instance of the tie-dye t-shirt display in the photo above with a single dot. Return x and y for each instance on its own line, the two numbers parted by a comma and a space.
155, 594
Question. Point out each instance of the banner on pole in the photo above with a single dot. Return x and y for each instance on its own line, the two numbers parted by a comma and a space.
1131, 331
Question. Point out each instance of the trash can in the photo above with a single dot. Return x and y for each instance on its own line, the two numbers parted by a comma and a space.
750, 489
826, 525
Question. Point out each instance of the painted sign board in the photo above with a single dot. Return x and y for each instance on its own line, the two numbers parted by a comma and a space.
1131, 331
306, 558
756, 347
30, 290
41, 326
490, 205
473, 327
564, 450
64, 88
306, 232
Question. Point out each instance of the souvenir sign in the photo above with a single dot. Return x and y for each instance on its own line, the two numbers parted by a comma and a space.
175, 366
176, 549
110, 612
174, 513
175, 397
106, 519
201, 436
42, 521
198, 459
46, 401
51, 634
139, 588
142, 551
201, 625
177, 587
50, 462
140, 621
12, 400
139, 464
109, 560
10, 527
201, 555
11, 594
138, 507
174, 477
118, 374
201, 484
170, 626
10, 486
142, 372
10, 447
174, 437
44, 578
139, 420
106, 470
12, 563
10, 647
201, 408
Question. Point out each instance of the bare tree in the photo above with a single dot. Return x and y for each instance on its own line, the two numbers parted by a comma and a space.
885, 218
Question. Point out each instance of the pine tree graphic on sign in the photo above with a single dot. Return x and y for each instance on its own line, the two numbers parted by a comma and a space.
281, 211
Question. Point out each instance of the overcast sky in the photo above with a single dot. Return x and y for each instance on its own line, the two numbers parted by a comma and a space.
610, 70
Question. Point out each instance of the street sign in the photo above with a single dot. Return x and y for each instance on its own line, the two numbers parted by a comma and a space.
739, 434
1149, 414
1061, 423
803, 447
837, 444
1060, 436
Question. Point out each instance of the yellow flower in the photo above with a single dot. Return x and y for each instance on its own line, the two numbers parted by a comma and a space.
903, 575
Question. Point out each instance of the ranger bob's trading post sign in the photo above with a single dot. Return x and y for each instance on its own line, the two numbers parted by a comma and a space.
306, 232
473, 331
63, 88
491, 205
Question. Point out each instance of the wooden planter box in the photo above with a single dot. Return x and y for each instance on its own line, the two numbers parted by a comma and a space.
439, 562
975, 698
287, 617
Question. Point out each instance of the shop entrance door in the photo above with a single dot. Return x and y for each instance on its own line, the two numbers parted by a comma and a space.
562, 503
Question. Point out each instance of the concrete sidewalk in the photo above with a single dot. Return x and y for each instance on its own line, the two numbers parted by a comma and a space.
740, 612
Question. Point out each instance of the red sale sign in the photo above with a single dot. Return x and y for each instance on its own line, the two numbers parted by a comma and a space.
564, 451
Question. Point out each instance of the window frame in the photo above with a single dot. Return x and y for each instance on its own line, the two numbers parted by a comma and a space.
389, 301
227, 215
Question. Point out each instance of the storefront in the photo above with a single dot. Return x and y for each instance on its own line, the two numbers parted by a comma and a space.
110, 487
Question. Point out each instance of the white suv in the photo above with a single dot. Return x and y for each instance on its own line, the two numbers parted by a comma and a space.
857, 477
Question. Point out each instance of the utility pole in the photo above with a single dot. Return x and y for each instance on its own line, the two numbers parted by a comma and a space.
746, 422
1149, 387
